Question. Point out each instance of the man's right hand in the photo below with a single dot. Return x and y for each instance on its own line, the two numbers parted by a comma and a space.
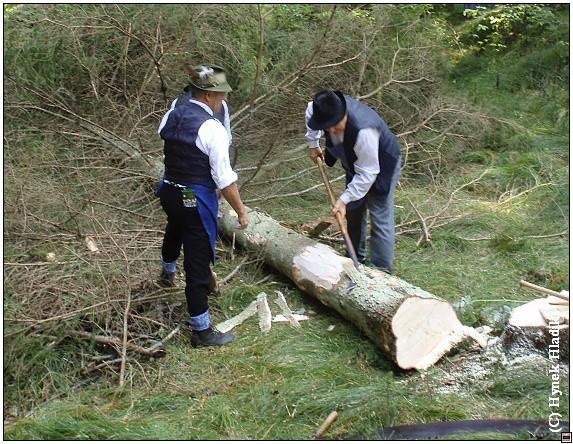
314, 154
243, 220
231, 195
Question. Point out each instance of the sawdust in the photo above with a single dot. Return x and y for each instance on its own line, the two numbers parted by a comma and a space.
458, 373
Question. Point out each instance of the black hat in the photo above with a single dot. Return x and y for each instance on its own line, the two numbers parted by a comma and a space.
328, 108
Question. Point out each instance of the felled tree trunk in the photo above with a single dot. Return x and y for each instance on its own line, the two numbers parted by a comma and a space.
411, 326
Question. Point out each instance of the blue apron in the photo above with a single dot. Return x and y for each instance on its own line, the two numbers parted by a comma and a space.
207, 207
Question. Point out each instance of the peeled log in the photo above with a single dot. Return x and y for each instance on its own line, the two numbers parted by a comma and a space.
413, 327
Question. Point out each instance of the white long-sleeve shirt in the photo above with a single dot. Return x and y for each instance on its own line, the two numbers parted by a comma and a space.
366, 165
213, 139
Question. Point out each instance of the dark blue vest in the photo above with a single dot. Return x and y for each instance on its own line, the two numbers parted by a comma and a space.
184, 162
361, 116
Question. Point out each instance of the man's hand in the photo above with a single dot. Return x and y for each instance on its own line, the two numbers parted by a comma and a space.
231, 195
315, 153
339, 207
243, 220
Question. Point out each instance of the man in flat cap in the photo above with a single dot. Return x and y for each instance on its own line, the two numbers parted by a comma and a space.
370, 154
196, 134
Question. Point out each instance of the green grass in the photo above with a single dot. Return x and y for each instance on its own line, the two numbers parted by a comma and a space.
275, 386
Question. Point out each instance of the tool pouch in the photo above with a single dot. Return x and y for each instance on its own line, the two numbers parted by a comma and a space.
189, 199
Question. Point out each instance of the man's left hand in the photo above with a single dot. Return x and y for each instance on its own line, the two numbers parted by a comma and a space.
339, 207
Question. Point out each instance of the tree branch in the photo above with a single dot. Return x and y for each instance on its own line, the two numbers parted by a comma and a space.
297, 193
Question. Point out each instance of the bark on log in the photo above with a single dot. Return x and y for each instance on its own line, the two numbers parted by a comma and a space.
413, 327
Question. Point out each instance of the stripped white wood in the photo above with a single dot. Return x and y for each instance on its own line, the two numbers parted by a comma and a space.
287, 313
538, 313
320, 265
297, 318
264, 310
233, 322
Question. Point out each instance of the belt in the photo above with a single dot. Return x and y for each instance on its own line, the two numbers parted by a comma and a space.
174, 184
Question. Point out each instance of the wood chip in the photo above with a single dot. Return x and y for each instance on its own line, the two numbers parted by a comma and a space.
91, 244
233, 322
264, 313
316, 227
553, 300
287, 313
282, 318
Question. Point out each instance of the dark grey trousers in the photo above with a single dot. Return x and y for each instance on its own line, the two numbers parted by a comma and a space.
381, 210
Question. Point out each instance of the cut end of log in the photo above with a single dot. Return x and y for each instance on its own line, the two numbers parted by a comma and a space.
425, 329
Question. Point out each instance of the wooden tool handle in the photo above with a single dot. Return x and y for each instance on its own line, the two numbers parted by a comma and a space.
331, 195
341, 225
539, 289
326, 424
325, 180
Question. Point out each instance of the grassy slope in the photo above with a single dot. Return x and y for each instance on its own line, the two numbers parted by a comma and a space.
283, 384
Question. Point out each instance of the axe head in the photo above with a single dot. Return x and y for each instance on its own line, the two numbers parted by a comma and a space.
316, 227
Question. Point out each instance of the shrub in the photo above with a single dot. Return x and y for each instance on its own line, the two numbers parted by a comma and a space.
497, 28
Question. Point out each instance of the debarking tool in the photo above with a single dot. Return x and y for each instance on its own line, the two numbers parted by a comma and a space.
341, 225
544, 290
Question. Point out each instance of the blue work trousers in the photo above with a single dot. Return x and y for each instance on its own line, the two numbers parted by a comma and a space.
381, 209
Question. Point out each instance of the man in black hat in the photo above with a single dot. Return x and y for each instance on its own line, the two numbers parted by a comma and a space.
370, 154
197, 163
